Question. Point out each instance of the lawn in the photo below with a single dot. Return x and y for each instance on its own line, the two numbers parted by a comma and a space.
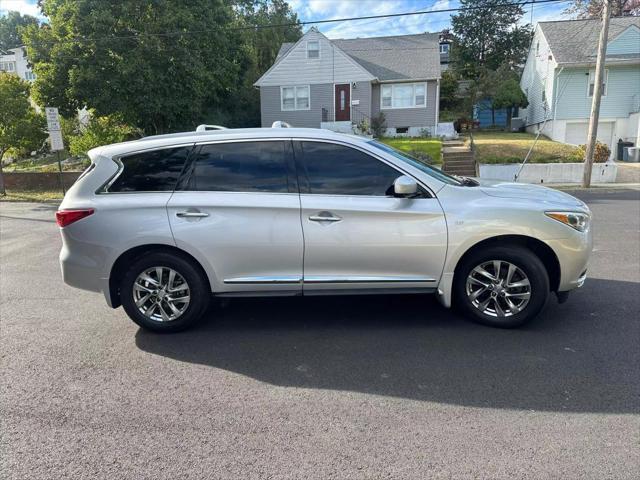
503, 147
31, 196
47, 163
417, 146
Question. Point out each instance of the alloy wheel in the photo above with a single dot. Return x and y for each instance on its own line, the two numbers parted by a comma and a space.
161, 294
498, 288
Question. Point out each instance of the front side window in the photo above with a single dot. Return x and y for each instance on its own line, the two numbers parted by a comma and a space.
444, 48
592, 82
295, 98
403, 95
339, 170
313, 49
154, 171
240, 167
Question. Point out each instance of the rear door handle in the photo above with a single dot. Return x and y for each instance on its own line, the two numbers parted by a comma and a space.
191, 214
324, 217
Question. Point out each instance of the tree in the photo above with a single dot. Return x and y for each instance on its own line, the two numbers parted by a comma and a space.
165, 67
593, 8
509, 95
158, 66
11, 26
488, 34
101, 131
449, 98
21, 128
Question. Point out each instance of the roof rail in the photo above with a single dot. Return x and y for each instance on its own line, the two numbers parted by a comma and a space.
204, 128
280, 124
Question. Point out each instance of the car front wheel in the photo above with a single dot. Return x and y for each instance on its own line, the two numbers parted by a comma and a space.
502, 286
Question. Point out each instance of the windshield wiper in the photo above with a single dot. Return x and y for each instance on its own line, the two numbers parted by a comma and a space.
467, 181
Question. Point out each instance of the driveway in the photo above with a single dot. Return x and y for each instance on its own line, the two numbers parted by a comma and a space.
346, 388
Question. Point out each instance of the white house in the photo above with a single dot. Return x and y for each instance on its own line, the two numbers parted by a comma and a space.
15, 61
558, 79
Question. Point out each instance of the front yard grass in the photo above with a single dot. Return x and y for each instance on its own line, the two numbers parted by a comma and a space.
429, 146
504, 147
31, 196
47, 163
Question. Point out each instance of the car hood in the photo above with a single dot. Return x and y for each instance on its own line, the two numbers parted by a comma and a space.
525, 191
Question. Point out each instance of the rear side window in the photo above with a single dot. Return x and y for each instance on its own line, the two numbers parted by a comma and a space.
240, 167
155, 171
338, 170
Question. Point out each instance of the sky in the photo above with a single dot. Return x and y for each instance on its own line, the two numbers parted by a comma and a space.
309, 10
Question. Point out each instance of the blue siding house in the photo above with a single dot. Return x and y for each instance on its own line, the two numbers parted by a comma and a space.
559, 74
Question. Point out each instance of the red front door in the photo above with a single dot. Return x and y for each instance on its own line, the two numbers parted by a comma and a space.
343, 103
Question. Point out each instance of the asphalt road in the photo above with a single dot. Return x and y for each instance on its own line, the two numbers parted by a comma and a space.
322, 388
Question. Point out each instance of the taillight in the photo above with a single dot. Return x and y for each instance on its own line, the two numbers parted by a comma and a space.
67, 217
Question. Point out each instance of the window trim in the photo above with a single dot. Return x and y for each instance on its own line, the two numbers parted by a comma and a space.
307, 49
295, 98
303, 178
413, 86
605, 83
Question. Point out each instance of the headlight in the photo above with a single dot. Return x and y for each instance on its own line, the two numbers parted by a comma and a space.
578, 221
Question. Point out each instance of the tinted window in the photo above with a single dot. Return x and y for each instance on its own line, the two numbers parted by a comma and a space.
337, 170
155, 171
240, 167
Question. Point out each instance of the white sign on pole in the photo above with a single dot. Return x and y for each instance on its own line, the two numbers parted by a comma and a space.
53, 125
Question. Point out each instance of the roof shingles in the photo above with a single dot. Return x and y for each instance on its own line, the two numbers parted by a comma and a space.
402, 57
576, 41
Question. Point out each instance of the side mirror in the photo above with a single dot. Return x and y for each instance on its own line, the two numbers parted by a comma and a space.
404, 186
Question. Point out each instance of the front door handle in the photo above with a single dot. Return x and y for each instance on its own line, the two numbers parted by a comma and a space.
191, 214
324, 217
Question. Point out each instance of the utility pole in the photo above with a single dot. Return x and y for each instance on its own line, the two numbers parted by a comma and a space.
597, 93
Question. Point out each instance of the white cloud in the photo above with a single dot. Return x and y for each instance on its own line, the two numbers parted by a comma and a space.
25, 7
309, 10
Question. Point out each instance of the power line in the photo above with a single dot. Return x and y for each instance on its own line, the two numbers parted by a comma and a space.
308, 22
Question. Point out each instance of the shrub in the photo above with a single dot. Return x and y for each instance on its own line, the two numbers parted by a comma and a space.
600, 155
378, 125
363, 127
102, 131
421, 156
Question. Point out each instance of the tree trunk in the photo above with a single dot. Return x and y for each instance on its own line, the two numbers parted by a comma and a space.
3, 192
509, 116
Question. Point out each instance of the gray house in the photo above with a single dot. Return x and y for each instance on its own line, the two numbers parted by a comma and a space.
336, 84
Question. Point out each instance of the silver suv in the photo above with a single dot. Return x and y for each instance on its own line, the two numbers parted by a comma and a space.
159, 224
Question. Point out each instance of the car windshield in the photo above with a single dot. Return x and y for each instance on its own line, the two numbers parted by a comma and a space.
428, 169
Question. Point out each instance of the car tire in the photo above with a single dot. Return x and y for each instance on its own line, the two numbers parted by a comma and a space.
183, 294
511, 298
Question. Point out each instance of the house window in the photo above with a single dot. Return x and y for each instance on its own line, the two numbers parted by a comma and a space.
313, 49
444, 48
403, 95
29, 75
294, 98
592, 81
7, 66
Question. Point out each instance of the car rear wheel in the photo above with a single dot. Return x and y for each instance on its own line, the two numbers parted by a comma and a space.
164, 292
502, 286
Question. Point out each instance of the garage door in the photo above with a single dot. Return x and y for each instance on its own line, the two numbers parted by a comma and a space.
576, 133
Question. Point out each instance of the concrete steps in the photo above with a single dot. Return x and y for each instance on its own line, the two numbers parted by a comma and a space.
458, 159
